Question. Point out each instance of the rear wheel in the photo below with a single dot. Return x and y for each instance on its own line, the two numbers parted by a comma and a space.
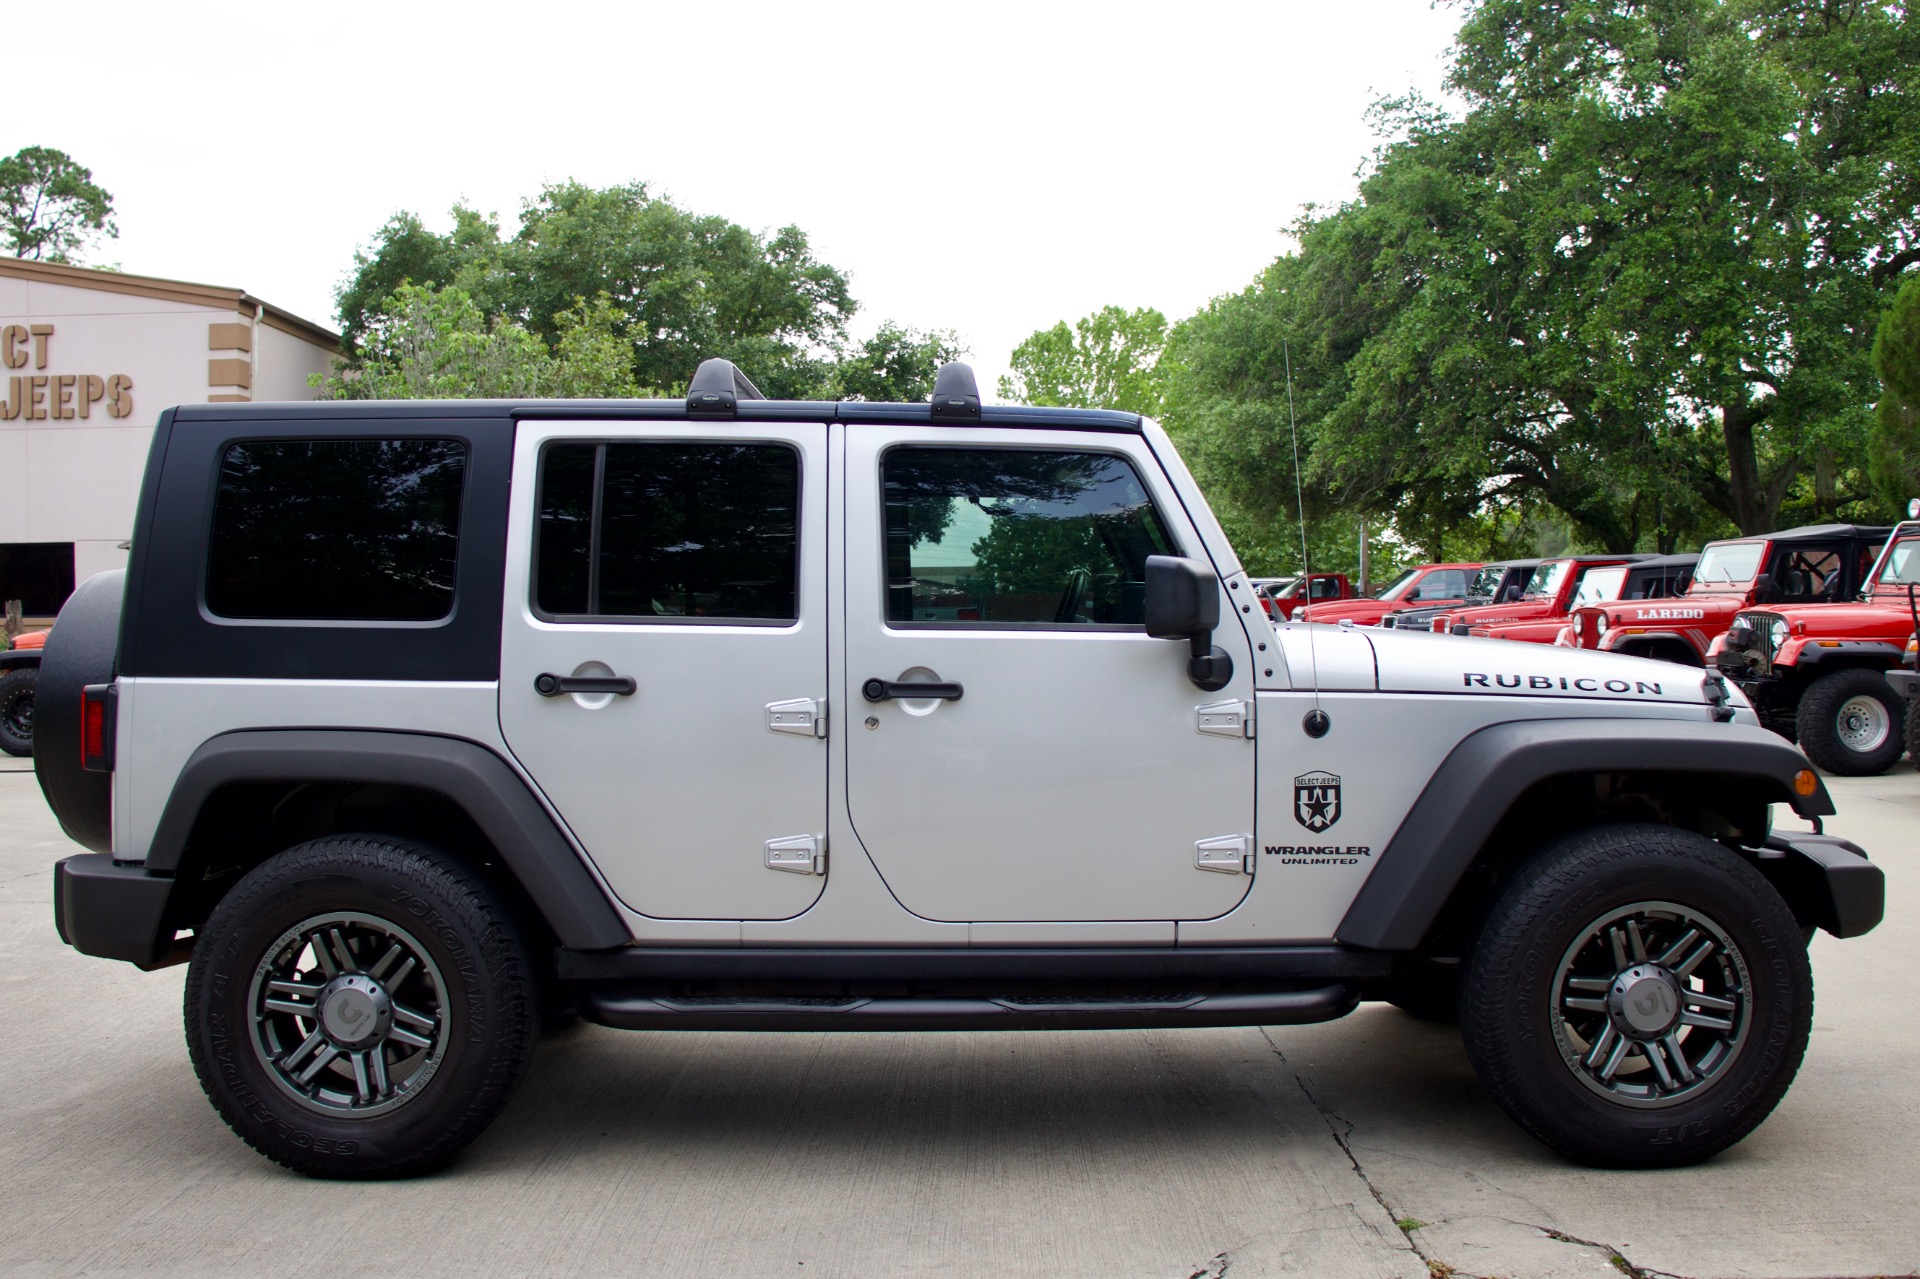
16, 710
1638, 998
360, 1007
1850, 723
1913, 731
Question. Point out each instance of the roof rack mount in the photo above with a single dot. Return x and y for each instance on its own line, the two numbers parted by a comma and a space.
717, 388
956, 396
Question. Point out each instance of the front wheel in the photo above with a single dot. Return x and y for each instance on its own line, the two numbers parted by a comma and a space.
360, 1007
16, 710
1638, 998
1849, 723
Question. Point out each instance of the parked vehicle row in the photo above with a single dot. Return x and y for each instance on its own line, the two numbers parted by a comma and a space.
1808, 622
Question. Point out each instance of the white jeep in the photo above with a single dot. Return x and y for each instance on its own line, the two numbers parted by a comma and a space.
413, 727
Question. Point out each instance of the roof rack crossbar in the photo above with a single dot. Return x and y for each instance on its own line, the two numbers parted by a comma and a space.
717, 388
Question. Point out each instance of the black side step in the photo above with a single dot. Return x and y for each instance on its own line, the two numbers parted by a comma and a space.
1273, 967
612, 1007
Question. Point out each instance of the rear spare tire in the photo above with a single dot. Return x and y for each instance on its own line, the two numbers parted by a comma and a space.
1850, 722
81, 649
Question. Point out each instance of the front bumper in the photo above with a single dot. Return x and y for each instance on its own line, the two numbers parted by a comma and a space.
1828, 881
1905, 683
115, 911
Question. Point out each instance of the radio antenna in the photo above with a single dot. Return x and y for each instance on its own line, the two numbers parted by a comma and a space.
1316, 722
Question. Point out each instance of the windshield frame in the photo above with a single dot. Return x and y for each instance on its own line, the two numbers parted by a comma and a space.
1903, 536
1702, 578
1554, 573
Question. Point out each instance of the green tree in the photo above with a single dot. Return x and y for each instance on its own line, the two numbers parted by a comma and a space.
686, 287
1631, 284
1895, 461
1107, 360
437, 344
50, 206
896, 365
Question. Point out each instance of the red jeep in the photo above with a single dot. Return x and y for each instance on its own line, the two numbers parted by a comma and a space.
1658, 578
1546, 597
1826, 562
1282, 597
1421, 587
1817, 673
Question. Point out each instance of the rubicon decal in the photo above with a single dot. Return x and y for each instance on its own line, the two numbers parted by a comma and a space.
1316, 800
1559, 684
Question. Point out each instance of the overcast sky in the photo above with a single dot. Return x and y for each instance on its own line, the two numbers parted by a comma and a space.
989, 168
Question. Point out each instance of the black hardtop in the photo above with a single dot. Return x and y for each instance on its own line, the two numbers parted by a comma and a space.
1651, 562
1818, 533
853, 412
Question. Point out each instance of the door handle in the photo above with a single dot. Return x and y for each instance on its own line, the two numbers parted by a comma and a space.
880, 690
548, 685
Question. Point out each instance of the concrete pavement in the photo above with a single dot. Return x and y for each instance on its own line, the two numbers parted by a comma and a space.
1359, 1148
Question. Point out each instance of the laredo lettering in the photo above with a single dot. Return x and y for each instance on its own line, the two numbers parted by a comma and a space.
37, 397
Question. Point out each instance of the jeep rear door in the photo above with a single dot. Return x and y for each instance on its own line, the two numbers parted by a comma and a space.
1069, 780
680, 569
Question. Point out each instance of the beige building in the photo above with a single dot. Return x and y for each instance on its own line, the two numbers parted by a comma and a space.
91, 359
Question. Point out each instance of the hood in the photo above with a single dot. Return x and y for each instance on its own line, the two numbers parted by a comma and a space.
1681, 608
1413, 663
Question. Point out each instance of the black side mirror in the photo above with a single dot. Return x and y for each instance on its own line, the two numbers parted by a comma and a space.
1183, 602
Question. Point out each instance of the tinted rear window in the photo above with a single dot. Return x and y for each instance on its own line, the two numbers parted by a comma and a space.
336, 530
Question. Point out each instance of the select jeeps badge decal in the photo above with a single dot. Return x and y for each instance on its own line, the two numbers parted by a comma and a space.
1316, 800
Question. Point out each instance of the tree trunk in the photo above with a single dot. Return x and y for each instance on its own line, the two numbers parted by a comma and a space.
1750, 506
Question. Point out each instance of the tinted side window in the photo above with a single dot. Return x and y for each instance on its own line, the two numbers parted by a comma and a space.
667, 531
1444, 584
359, 530
1005, 536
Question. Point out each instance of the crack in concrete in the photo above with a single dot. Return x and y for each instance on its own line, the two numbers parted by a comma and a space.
1617, 1258
1340, 1129
1216, 1267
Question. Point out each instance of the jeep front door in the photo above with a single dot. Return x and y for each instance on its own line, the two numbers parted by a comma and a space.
1064, 775
664, 656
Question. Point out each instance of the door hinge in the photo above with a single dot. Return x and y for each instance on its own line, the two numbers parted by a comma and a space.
799, 854
1224, 719
1227, 854
801, 716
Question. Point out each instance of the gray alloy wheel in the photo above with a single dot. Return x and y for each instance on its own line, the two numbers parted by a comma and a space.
1638, 997
1849, 723
360, 1006
16, 710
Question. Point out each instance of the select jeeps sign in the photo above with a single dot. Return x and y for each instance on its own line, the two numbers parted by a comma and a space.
1316, 800
38, 396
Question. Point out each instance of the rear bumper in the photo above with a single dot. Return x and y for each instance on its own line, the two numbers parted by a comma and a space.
1828, 881
114, 911
1905, 683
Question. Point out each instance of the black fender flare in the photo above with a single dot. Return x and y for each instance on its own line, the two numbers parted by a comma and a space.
1482, 777
470, 775
21, 659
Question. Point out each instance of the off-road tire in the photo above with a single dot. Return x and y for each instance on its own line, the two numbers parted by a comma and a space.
489, 1012
16, 710
1820, 732
1913, 731
1509, 1006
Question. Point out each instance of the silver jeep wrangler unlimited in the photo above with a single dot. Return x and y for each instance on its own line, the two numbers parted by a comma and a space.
413, 727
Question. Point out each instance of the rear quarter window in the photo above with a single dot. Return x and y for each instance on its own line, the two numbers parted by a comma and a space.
336, 530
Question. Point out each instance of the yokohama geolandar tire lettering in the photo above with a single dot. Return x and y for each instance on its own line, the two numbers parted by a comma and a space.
1850, 722
1639, 997
360, 1006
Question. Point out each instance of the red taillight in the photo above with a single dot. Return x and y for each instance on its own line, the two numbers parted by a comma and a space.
96, 727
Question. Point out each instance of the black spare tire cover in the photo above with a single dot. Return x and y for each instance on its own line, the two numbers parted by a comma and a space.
80, 651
